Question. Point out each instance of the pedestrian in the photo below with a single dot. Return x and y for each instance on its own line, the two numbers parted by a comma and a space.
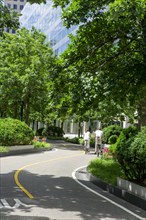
98, 141
87, 141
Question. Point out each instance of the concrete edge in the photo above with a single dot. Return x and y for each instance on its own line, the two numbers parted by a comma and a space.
24, 151
119, 192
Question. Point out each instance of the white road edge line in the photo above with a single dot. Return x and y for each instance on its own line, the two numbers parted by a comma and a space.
109, 200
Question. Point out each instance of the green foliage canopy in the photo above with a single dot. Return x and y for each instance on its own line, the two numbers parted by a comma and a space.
110, 131
109, 50
8, 18
26, 63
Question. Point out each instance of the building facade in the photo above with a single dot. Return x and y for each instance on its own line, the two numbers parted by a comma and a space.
48, 20
17, 5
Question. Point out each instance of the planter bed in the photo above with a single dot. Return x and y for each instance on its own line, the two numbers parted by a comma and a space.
132, 187
119, 192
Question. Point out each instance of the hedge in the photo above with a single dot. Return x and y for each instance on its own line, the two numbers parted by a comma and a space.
14, 132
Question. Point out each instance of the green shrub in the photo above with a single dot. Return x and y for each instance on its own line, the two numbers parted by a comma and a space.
4, 149
14, 132
126, 138
38, 144
138, 156
112, 149
81, 141
113, 139
105, 169
131, 153
109, 131
74, 140
53, 131
77, 140
92, 141
39, 132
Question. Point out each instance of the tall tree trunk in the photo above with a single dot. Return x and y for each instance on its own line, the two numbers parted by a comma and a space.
37, 126
79, 129
33, 123
21, 110
16, 107
27, 112
62, 125
142, 114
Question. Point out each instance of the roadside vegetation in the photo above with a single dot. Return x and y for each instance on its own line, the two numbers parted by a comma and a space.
4, 149
125, 158
14, 132
106, 170
42, 144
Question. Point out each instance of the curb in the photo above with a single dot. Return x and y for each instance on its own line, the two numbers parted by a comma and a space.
121, 193
23, 151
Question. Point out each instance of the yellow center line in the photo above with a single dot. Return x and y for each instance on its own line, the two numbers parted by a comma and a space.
16, 175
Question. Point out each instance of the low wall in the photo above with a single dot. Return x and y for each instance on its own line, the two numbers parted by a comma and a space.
132, 187
20, 147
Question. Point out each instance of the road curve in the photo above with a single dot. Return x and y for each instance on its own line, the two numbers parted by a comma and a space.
40, 186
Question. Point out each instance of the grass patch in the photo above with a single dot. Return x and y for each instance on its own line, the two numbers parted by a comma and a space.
38, 144
4, 149
105, 169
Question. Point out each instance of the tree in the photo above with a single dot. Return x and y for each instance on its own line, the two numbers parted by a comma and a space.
8, 18
26, 63
109, 47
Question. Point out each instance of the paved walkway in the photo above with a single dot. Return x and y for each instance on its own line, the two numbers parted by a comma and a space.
27, 149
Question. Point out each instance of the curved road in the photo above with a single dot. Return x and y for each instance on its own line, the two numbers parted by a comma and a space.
45, 186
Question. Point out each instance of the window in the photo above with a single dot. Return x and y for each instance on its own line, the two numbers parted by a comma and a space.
21, 7
15, 6
9, 5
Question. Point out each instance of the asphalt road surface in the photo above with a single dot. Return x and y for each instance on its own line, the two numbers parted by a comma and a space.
52, 185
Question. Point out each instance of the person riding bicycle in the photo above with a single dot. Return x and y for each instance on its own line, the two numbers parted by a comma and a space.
98, 141
87, 140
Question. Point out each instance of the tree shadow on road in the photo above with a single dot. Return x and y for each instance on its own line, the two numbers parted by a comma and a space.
16, 217
61, 144
54, 198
